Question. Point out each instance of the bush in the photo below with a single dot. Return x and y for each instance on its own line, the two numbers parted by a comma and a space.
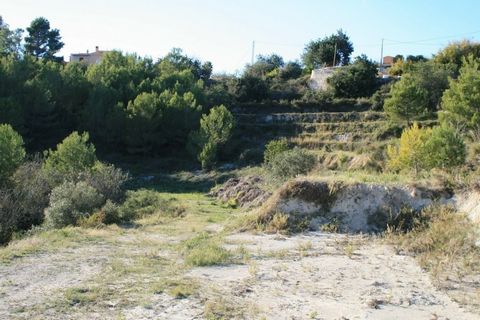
425, 148
107, 180
12, 151
71, 201
32, 189
408, 101
141, 203
379, 97
9, 214
274, 148
444, 148
108, 214
292, 163
215, 130
73, 155
356, 80
410, 154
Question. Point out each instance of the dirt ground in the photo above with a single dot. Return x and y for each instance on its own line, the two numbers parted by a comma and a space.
307, 276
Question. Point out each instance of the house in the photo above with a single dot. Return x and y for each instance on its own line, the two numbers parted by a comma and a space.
88, 58
318, 78
388, 61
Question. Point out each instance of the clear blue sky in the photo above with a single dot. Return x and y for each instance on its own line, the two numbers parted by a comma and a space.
222, 31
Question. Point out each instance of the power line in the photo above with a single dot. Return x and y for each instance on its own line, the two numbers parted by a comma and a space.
433, 39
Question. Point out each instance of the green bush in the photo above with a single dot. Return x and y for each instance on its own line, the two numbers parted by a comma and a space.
274, 148
141, 203
12, 151
292, 163
107, 180
426, 148
379, 97
408, 100
31, 186
445, 148
215, 130
71, 201
72, 156
9, 214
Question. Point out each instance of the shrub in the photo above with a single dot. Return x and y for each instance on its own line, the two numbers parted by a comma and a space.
444, 148
379, 97
9, 214
208, 155
356, 80
410, 154
71, 201
408, 101
292, 163
72, 156
425, 148
32, 189
107, 180
273, 148
215, 130
141, 203
12, 151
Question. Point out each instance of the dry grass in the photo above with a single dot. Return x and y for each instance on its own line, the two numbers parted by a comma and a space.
444, 243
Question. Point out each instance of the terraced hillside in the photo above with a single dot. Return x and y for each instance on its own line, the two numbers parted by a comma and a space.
364, 131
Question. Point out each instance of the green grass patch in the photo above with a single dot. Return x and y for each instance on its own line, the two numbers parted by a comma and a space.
205, 250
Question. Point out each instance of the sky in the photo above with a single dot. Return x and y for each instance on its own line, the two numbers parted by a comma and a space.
222, 31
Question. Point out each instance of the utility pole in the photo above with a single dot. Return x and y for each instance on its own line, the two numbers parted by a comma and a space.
381, 58
253, 52
334, 55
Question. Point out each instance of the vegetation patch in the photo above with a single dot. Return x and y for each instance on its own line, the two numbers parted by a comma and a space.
270, 218
205, 250
445, 243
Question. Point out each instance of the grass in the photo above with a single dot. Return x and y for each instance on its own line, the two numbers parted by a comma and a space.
52, 240
205, 250
444, 243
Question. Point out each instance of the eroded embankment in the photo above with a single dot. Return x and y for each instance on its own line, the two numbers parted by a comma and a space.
353, 207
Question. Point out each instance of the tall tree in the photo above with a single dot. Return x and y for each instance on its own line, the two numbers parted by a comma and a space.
9, 39
43, 42
461, 102
320, 53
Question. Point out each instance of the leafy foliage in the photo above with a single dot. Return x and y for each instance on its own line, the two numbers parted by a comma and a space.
12, 151
320, 53
274, 148
215, 130
292, 163
71, 201
408, 100
455, 53
461, 102
356, 80
42, 42
426, 148
411, 152
72, 156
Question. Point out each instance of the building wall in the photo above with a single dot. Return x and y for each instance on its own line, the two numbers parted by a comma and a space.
318, 78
